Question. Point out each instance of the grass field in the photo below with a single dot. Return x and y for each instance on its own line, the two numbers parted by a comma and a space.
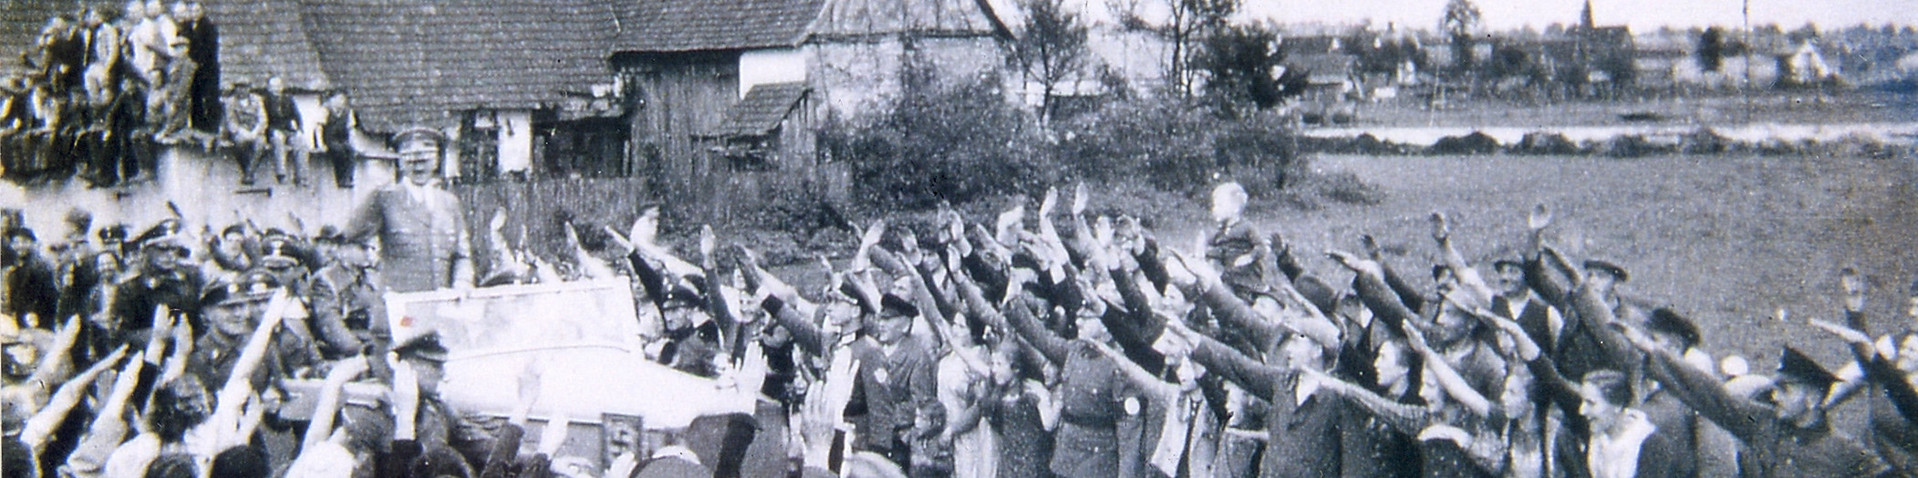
1728, 241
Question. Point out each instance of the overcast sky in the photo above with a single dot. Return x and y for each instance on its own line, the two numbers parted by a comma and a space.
1639, 14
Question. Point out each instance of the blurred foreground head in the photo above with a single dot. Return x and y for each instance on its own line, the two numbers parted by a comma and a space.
1228, 201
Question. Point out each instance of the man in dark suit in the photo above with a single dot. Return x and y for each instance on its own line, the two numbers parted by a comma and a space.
283, 132
204, 84
30, 295
895, 401
336, 137
424, 243
1516, 301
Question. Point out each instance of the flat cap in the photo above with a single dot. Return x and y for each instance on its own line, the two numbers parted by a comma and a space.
1608, 267
1795, 366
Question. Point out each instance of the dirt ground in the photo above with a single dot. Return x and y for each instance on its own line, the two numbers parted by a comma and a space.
1728, 241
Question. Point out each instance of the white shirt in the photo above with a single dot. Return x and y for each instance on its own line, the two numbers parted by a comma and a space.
1616, 455
417, 191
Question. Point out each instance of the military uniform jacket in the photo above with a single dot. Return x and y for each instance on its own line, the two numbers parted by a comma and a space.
346, 309
214, 356
424, 245
135, 299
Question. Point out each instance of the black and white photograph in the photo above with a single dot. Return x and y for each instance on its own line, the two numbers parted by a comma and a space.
958, 238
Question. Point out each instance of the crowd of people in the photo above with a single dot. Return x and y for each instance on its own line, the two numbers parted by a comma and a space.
106, 90
1050, 344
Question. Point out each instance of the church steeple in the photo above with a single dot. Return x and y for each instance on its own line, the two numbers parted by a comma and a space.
1585, 17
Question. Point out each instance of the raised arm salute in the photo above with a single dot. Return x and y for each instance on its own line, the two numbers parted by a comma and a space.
1789, 439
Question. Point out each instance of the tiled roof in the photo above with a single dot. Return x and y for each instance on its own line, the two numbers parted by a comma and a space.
693, 25
416, 62
262, 38
1325, 67
696, 25
762, 109
20, 24
861, 18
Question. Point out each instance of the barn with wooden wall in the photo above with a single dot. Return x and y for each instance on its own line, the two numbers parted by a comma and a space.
732, 93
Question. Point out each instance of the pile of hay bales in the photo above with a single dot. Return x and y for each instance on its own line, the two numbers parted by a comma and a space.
1477, 143
1703, 141
1543, 143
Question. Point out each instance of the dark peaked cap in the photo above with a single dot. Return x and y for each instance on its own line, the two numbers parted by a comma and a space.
425, 347
896, 305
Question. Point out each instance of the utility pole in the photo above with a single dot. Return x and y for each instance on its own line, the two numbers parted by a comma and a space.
1750, 45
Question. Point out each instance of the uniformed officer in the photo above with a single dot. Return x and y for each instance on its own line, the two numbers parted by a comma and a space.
233, 310
691, 338
425, 422
167, 275
347, 308
424, 242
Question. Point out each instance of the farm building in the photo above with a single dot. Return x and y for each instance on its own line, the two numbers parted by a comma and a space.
506, 79
698, 96
733, 87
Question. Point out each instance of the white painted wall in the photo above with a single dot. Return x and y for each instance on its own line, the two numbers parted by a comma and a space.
207, 189
515, 140
312, 115
772, 65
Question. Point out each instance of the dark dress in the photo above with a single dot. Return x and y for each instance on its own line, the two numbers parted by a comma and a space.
1025, 447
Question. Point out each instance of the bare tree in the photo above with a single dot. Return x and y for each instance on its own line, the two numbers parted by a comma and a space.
1188, 23
1052, 49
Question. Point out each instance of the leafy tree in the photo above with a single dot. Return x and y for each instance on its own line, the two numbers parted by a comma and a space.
1509, 60
1239, 62
1711, 49
1460, 22
1052, 49
1383, 56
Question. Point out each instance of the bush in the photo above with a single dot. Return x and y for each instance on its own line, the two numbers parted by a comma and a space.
1161, 142
1346, 187
1779, 147
1313, 188
1860, 145
954, 144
